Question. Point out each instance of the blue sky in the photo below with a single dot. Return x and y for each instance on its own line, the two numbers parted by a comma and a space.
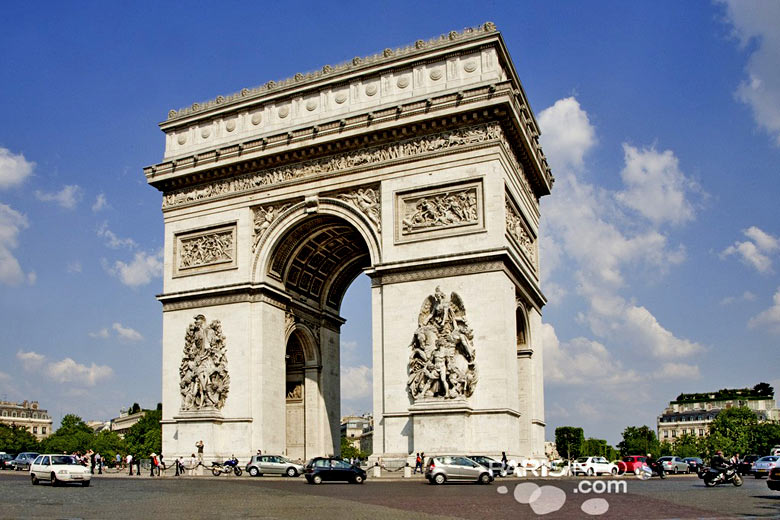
660, 247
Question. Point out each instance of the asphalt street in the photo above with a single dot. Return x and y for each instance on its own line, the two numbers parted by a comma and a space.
264, 497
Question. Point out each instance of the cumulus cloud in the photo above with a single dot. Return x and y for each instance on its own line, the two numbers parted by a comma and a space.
581, 362
587, 229
68, 197
677, 371
755, 252
755, 23
74, 267
127, 333
14, 169
102, 334
112, 240
100, 203
356, 383
11, 224
655, 186
64, 371
770, 318
746, 296
567, 132
140, 270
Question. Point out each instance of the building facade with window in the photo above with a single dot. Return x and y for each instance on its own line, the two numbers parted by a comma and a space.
28, 415
354, 427
691, 414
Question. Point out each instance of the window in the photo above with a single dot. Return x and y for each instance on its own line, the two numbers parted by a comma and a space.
666, 434
13, 414
674, 433
5, 413
701, 431
35, 430
43, 430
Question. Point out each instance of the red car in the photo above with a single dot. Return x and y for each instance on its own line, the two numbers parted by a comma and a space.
633, 463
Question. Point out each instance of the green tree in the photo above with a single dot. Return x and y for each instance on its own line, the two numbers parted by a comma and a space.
568, 441
15, 439
732, 431
764, 389
686, 445
638, 440
765, 436
108, 444
348, 451
72, 435
145, 436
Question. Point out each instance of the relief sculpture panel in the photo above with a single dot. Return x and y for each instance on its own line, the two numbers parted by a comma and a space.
208, 250
443, 360
516, 229
203, 371
453, 210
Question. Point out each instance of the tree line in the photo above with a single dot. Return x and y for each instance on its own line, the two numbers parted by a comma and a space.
74, 436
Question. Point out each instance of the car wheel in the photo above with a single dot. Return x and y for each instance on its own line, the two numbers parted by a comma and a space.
614, 471
675, 470
85, 483
254, 472
358, 479
291, 472
54, 481
484, 478
34, 480
440, 479
316, 479
591, 472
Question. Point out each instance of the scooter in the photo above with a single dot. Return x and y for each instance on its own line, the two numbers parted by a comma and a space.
228, 467
713, 477
647, 471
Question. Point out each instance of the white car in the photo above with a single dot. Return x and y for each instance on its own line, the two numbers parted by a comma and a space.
764, 465
594, 466
59, 469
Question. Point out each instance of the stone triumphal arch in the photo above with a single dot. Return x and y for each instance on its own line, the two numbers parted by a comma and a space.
418, 166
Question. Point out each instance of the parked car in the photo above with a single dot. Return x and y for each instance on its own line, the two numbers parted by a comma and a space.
273, 465
745, 466
774, 479
23, 460
5, 459
495, 466
633, 463
674, 464
694, 463
329, 469
763, 465
593, 466
58, 469
442, 468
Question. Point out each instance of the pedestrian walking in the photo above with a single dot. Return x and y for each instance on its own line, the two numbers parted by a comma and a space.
504, 461
193, 464
118, 461
199, 445
91, 461
138, 466
153, 464
130, 463
99, 463
160, 464
418, 463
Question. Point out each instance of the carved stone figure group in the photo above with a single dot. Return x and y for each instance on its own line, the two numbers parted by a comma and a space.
442, 210
203, 371
442, 362
206, 249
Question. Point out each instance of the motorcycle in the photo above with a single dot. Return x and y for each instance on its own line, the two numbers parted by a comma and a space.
647, 471
714, 477
228, 467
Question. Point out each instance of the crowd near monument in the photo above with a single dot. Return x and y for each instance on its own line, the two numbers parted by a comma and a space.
418, 166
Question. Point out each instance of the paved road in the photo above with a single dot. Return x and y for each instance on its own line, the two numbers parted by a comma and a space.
112, 497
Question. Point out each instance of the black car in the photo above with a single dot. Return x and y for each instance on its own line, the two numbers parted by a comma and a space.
694, 463
5, 458
495, 466
745, 466
330, 469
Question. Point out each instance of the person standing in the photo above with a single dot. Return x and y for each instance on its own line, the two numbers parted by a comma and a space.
199, 445
152, 464
91, 461
138, 466
130, 463
99, 463
504, 461
193, 464
118, 462
418, 463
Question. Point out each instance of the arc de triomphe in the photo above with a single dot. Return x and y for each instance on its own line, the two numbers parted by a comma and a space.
418, 166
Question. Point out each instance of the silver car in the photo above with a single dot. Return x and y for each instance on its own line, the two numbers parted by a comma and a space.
273, 465
442, 468
674, 465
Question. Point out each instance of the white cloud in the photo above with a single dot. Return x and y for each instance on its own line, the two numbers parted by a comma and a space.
356, 382
64, 371
755, 22
677, 371
746, 296
68, 197
656, 188
32, 277
74, 267
756, 251
100, 203
581, 362
140, 270
11, 224
14, 169
127, 333
770, 318
112, 240
567, 133
102, 334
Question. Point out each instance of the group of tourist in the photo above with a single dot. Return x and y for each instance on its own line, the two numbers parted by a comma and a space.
90, 458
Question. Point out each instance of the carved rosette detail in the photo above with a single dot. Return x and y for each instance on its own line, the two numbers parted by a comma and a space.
516, 229
452, 208
442, 362
208, 249
367, 200
360, 158
204, 377
264, 216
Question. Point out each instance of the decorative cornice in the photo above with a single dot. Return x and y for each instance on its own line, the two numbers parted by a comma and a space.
357, 63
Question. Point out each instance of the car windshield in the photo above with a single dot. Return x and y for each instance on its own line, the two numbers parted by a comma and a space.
768, 459
63, 460
582, 460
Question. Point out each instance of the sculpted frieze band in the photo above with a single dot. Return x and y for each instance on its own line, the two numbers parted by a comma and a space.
516, 229
441, 210
204, 379
365, 157
208, 249
443, 360
367, 200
